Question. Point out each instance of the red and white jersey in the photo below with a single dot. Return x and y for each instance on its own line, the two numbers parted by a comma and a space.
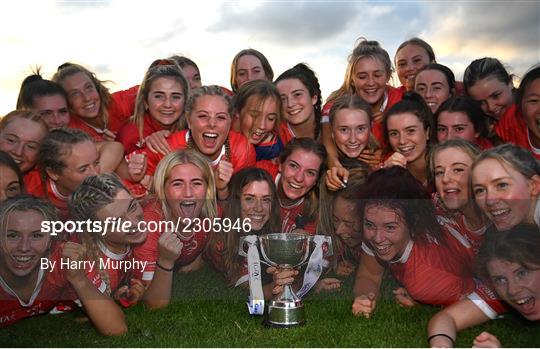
513, 129
454, 223
53, 195
242, 152
149, 250
439, 274
120, 268
128, 135
52, 287
120, 109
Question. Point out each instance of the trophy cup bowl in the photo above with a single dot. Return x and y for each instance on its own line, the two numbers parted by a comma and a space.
285, 251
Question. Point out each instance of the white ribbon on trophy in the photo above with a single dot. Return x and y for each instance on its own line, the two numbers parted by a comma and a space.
256, 297
315, 266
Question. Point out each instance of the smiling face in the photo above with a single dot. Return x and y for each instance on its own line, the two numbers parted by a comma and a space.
248, 68
83, 96
21, 139
518, 285
369, 79
256, 203
346, 221
125, 208
504, 194
165, 101
350, 129
210, 122
296, 101
23, 244
530, 108
299, 173
407, 136
494, 96
53, 110
452, 167
82, 162
185, 191
9, 183
258, 118
433, 86
193, 76
386, 231
409, 61
452, 125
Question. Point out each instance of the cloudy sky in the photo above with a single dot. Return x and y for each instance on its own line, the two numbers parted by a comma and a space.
118, 39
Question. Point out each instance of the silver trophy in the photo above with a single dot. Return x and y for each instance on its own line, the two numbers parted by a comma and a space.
288, 251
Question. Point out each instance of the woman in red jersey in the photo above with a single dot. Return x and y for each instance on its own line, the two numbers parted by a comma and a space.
92, 107
368, 72
506, 186
11, 181
401, 233
301, 103
159, 105
411, 57
435, 83
26, 289
248, 65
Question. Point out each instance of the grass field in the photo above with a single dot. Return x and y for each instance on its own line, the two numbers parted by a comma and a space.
205, 313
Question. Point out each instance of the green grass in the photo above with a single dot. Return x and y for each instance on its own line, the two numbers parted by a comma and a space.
205, 313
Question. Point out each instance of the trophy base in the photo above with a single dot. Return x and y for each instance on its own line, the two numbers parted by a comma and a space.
285, 314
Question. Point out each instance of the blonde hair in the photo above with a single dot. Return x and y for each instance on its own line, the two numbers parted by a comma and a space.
153, 73
182, 157
363, 49
92, 195
68, 69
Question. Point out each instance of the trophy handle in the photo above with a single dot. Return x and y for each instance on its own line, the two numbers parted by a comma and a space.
265, 259
241, 249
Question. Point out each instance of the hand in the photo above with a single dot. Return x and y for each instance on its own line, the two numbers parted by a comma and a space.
281, 278
170, 248
345, 268
157, 142
336, 178
74, 252
137, 165
486, 340
130, 295
328, 285
373, 158
364, 305
377, 117
403, 298
223, 175
108, 135
396, 159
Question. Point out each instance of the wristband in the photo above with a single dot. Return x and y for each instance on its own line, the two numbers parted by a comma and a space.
443, 335
163, 268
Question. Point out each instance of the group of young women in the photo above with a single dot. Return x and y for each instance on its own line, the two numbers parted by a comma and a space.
436, 180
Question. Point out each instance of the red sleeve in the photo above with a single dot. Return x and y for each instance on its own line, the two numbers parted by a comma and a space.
284, 134
148, 251
122, 104
512, 128
242, 152
269, 166
326, 109
128, 135
33, 183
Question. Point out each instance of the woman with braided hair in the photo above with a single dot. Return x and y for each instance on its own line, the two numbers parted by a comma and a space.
26, 289
209, 117
104, 198
66, 158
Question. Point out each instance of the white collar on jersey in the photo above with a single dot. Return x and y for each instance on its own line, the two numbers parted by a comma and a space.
298, 203
117, 257
213, 163
56, 192
35, 293
533, 148
406, 254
